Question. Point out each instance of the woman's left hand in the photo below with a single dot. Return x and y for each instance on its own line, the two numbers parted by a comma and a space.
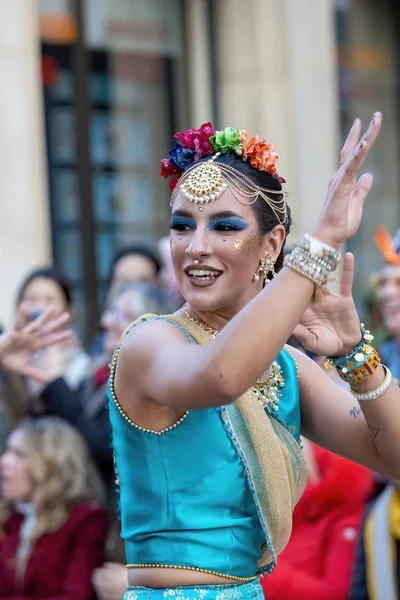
330, 326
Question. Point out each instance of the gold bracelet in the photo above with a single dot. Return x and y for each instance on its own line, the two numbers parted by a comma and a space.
361, 373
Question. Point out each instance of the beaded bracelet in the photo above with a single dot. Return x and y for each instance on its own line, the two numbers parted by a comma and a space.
379, 391
319, 250
313, 259
308, 266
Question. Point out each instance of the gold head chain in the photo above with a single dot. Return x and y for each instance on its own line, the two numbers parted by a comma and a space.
205, 182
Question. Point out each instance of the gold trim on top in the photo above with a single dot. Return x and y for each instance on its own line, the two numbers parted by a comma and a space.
121, 410
183, 568
294, 358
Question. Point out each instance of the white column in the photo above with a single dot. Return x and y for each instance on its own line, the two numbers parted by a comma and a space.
277, 74
198, 61
313, 105
24, 221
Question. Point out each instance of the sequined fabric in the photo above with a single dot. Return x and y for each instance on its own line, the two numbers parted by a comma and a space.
245, 591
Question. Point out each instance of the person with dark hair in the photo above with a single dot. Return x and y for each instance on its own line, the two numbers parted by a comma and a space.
207, 405
131, 264
134, 264
43, 289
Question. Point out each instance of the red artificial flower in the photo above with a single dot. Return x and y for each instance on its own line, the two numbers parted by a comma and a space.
173, 182
168, 168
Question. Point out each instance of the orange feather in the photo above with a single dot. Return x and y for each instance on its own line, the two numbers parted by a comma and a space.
383, 242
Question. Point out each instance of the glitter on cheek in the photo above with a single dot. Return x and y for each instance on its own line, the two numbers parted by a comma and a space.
247, 244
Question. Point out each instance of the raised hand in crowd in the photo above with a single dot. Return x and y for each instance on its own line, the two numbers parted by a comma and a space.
18, 345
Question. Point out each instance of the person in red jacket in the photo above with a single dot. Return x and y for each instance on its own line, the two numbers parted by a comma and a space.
52, 529
317, 563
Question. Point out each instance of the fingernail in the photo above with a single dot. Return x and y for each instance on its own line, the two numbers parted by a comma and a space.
354, 122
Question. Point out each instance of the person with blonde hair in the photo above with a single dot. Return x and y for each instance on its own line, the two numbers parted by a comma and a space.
52, 527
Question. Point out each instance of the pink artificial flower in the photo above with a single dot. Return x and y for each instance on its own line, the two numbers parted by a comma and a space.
187, 138
197, 140
207, 129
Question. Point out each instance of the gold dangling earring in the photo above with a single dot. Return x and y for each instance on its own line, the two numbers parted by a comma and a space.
267, 265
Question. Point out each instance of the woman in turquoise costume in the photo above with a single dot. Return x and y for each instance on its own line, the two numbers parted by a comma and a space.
207, 405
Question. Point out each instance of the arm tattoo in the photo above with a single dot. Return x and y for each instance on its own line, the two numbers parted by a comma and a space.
374, 431
356, 412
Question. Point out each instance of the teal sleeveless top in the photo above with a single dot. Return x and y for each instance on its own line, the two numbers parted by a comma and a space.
184, 497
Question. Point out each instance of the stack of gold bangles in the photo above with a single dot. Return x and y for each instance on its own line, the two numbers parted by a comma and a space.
359, 364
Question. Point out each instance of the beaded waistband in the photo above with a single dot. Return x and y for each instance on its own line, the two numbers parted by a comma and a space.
184, 568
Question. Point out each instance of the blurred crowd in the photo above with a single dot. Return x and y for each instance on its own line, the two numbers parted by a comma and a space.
59, 528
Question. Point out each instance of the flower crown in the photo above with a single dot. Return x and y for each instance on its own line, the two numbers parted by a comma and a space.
194, 144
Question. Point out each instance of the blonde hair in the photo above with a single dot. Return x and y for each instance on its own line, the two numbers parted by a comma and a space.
61, 471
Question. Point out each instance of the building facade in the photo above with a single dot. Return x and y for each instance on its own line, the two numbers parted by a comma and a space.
95, 89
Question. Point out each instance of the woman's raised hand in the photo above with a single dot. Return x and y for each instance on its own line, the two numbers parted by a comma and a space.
342, 212
330, 325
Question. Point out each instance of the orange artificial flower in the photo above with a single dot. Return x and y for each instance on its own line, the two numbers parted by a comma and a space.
262, 156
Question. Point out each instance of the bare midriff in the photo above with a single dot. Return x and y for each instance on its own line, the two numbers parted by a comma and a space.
165, 577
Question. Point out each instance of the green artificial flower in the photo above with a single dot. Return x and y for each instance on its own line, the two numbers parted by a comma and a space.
226, 140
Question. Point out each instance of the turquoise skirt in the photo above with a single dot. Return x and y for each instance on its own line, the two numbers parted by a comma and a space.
243, 591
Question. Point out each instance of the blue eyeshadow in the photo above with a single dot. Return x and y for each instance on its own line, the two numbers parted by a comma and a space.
182, 222
230, 223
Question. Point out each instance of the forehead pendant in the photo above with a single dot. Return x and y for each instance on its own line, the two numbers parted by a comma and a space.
205, 183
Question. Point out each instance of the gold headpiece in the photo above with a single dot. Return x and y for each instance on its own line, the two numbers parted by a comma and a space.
205, 182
